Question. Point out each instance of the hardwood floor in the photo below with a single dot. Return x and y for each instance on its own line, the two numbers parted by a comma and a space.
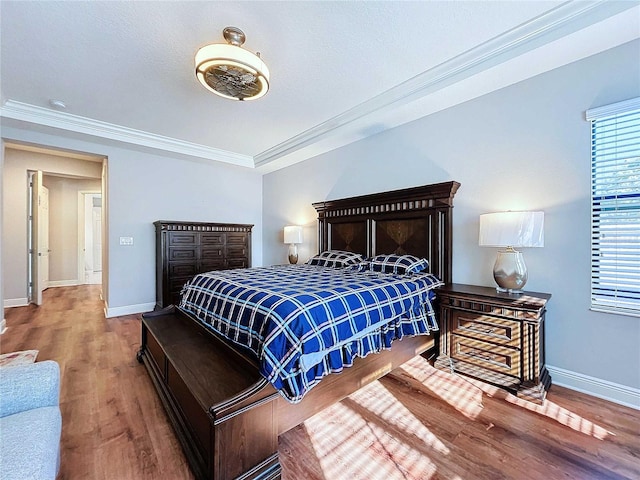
415, 423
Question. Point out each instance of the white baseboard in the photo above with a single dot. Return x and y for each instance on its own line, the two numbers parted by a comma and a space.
3, 326
614, 392
64, 283
127, 309
15, 302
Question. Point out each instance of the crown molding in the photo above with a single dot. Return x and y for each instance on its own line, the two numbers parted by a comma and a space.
75, 123
552, 25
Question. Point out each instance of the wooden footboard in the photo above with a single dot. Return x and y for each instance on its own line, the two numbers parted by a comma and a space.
226, 416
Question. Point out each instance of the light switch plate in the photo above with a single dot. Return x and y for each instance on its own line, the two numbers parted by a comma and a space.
126, 241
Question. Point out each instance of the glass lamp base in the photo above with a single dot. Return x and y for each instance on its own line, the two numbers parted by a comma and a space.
293, 254
510, 271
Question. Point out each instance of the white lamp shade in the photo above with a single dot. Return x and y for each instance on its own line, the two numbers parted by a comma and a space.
512, 229
292, 234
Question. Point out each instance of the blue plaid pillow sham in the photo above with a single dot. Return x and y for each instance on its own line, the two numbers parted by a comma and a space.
336, 258
398, 264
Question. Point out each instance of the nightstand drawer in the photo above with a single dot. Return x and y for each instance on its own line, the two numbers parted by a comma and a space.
486, 355
486, 328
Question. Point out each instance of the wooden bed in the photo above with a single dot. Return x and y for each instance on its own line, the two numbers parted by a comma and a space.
227, 417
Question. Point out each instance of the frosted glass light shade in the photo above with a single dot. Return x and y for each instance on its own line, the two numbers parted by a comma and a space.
512, 229
231, 71
292, 234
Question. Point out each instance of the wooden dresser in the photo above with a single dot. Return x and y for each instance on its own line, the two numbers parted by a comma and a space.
184, 249
495, 337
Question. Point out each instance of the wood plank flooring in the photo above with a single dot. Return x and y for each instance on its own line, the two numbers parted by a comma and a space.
415, 423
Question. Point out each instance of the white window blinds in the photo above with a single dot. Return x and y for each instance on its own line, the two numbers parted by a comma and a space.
615, 207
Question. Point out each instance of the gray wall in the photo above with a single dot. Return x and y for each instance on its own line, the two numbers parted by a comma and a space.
523, 147
144, 186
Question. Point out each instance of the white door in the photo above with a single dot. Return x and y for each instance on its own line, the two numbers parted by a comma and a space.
97, 238
90, 237
43, 241
39, 248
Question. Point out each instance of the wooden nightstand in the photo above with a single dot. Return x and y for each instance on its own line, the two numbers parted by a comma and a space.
494, 337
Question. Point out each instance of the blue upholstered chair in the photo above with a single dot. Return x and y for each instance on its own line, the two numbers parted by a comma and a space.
30, 421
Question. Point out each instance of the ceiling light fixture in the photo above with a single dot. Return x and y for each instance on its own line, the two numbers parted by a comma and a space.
231, 71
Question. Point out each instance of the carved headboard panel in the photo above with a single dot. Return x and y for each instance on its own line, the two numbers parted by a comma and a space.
414, 221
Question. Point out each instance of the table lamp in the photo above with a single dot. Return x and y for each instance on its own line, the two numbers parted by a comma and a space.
511, 230
293, 236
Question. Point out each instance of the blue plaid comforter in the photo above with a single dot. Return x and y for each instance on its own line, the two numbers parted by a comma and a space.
303, 322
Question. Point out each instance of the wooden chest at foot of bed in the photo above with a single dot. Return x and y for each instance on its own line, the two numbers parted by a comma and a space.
223, 411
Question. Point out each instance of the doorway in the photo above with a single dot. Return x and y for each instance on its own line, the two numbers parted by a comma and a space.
90, 237
64, 173
58, 238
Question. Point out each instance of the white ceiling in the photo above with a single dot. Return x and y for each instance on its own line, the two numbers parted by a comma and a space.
340, 71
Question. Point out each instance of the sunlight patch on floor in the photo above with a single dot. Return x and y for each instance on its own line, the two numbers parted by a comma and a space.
563, 416
465, 394
379, 401
369, 436
453, 389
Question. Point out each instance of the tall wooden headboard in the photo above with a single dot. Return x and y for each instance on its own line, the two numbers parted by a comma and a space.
414, 221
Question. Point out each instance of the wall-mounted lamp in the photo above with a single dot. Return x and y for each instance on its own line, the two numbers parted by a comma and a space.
293, 236
510, 230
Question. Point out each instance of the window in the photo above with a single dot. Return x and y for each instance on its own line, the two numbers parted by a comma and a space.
615, 207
